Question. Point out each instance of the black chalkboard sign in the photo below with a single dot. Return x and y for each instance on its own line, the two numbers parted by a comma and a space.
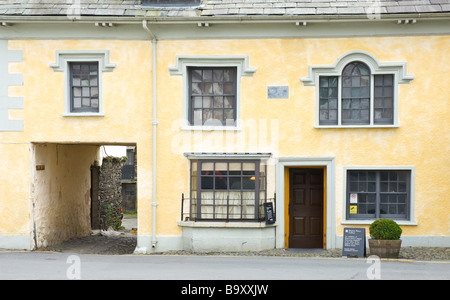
354, 242
268, 212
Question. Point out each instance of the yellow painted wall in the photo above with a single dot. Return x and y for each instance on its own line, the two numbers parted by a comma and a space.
126, 103
15, 179
422, 140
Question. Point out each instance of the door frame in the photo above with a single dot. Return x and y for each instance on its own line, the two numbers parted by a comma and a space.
282, 190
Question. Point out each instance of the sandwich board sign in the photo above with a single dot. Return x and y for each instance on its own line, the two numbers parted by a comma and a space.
268, 211
354, 242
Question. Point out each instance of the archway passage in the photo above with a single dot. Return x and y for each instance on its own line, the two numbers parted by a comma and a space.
65, 193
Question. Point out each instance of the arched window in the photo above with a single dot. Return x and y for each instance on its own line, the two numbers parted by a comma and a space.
356, 104
356, 93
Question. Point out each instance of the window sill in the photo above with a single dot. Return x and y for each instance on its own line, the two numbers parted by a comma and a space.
219, 224
368, 222
83, 114
211, 128
355, 126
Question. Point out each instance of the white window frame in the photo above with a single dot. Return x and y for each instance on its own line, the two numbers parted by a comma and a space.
398, 69
183, 62
411, 169
64, 58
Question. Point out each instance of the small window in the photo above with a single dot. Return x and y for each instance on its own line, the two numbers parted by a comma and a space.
212, 95
373, 194
227, 190
84, 87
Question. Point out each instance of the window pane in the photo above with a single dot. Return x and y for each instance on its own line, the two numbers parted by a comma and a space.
229, 114
207, 102
207, 75
86, 102
196, 75
218, 115
76, 91
85, 91
197, 102
94, 92
229, 102
76, 81
218, 102
197, 116
248, 183
235, 183
207, 88
76, 102
196, 88
248, 166
207, 115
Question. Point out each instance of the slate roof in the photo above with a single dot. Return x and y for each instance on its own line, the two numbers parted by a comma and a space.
223, 8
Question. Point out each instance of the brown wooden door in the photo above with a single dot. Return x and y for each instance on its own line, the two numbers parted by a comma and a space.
306, 208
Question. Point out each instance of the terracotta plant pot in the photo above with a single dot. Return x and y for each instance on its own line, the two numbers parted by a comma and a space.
385, 248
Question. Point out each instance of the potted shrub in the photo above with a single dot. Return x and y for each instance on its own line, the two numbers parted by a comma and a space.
385, 238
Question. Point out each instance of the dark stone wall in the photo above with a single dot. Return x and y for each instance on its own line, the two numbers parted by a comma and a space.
110, 193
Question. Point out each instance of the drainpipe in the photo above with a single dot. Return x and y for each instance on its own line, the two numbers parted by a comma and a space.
155, 124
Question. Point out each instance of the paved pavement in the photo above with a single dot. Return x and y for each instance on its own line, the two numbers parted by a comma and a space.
48, 265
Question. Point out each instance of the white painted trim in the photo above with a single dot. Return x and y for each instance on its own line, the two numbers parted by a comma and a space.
61, 64
240, 27
376, 67
16, 242
182, 62
63, 56
329, 163
207, 224
398, 69
6, 80
412, 219
239, 156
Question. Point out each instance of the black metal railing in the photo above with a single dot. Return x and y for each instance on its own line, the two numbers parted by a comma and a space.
227, 209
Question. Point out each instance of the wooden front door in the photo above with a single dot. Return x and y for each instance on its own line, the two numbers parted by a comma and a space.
306, 208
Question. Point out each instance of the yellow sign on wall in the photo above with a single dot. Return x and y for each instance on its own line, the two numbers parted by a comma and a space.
353, 209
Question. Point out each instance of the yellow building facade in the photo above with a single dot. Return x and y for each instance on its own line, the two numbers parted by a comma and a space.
334, 119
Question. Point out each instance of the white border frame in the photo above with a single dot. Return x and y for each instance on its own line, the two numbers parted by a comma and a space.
241, 62
398, 69
61, 64
412, 218
330, 164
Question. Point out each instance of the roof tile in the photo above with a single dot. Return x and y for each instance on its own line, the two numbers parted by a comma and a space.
210, 8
